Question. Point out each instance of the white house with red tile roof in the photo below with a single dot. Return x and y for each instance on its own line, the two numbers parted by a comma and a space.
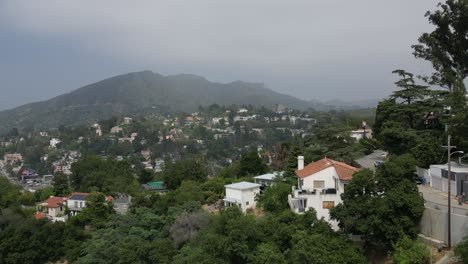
54, 208
320, 185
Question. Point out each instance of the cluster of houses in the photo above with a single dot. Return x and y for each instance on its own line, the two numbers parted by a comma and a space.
319, 186
59, 209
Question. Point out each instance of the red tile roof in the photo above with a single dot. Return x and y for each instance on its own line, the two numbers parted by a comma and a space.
38, 216
345, 172
55, 202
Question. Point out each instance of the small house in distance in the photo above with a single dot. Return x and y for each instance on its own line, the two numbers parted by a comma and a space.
267, 179
54, 208
77, 201
156, 186
241, 194
122, 203
363, 132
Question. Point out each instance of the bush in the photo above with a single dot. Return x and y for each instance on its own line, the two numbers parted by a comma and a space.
408, 251
461, 250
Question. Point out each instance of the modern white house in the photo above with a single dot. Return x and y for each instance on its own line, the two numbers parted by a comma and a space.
363, 132
241, 194
320, 185
359, 134
77, 201
54, 142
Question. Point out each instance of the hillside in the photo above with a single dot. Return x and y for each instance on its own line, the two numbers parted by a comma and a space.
141, 93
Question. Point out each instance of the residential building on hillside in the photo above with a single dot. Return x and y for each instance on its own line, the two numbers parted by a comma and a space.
127, 120
320, 185
438, 178
267, 179
157, 186
77, 201
12, 157
54, 142
241, 194
116, 129
122, 203
363, 132
54, 208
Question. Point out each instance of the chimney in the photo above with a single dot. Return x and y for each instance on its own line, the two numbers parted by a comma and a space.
300, 162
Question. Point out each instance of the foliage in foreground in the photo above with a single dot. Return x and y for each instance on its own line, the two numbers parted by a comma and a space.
382, 208
408, 251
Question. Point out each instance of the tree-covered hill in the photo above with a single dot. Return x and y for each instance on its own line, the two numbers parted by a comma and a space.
142, 93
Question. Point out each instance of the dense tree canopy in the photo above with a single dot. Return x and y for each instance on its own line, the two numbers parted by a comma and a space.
93, 173
384, 207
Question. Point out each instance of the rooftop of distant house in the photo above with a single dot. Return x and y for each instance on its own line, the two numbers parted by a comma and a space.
242, 185
268, 176
55, 201
78, 196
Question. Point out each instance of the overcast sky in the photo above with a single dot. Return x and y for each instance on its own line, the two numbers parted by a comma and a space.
310, 49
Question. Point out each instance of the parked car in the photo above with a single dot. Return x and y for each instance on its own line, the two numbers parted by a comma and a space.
418, 179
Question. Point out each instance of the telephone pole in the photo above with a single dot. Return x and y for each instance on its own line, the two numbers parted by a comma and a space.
449, 187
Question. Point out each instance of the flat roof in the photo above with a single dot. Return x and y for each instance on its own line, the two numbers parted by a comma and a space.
455, 167
156, 184
243, 185
268, 176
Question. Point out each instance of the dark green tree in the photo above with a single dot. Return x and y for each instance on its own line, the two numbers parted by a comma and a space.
61, 184
382, 208
187, 169
252, 164
275, 198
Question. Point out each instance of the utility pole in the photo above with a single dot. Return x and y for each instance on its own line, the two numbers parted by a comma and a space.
449, 213
449, 187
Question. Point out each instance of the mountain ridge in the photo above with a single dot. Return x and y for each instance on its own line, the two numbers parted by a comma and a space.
139, 93
145, 92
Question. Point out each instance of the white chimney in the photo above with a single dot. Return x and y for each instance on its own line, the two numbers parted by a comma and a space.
300, 162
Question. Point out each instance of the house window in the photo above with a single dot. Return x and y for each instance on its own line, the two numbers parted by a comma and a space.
76, 204
328, 204
246, 203
319, 184
81, 204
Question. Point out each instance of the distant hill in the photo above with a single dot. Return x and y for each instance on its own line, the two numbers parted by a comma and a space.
141, 93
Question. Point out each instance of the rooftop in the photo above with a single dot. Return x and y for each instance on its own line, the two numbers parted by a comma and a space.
156, 184
455, 167
243, 185
268, 176
78, 196
345, 172
55, 202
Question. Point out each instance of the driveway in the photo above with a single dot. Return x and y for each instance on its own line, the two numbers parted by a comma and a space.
369, 160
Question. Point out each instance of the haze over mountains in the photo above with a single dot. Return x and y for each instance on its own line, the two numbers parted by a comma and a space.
142, 93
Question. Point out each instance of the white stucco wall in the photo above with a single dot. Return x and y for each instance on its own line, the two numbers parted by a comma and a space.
327, 175
243, 196
80, 203
331, 180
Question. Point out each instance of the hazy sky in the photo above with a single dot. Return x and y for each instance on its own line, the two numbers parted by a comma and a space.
310, 49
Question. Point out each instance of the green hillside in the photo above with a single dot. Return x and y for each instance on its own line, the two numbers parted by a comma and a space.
141, 93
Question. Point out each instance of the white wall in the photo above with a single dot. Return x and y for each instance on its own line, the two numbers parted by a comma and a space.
80, 203
243, 196
328, 175
331, 180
